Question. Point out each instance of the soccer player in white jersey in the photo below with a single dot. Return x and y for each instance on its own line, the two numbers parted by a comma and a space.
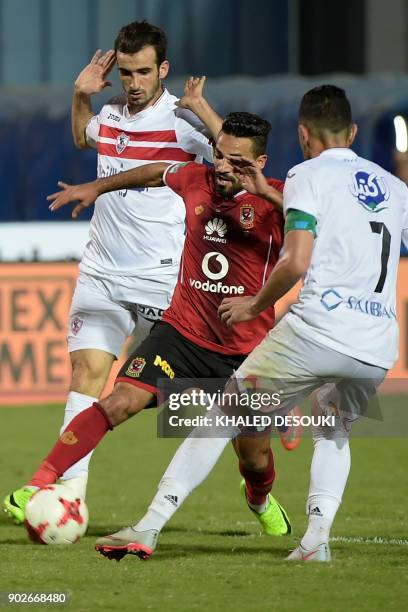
130, 264
344, 219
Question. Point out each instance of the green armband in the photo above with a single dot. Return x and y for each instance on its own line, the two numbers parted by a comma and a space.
299, 220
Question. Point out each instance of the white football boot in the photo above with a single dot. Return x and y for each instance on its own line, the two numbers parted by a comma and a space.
320, 554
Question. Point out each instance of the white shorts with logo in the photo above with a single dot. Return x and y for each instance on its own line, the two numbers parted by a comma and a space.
294, 367
105, 311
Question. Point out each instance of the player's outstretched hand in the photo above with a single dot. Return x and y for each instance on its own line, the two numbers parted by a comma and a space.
92, 79
193, 93
85, 194
237, 310
250, 174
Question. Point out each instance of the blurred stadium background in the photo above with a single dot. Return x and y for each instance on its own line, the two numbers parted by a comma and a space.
259, 56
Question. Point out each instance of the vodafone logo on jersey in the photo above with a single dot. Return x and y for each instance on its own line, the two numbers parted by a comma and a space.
221, 260
215, 266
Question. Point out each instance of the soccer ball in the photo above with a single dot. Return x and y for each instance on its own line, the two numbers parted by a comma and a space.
55, 515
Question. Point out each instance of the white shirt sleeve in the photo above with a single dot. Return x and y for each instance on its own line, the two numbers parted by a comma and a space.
299, 193
92, 131
192, 134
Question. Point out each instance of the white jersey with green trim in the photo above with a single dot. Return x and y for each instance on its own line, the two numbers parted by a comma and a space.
348, 299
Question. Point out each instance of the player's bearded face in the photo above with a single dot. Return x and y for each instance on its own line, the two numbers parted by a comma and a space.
227, 183
141, 77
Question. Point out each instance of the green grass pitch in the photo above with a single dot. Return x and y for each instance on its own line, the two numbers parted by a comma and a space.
211, 556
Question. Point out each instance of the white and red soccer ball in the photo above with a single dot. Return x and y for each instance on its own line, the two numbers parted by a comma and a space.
55, 515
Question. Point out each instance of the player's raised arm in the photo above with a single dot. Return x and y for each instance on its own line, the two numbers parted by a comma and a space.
150, 175
90, 81
194, 100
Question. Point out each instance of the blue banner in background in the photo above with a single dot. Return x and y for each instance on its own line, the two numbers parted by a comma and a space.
36, 148
204, 36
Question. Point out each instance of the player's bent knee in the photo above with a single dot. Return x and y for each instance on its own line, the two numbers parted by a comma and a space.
125, 401
90, 371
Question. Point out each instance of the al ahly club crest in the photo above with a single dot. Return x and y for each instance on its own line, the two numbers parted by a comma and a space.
135, 367
247, 216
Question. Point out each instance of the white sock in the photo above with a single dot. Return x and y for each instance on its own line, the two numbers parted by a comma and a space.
259, 507
328, 477
77, 484
190, 466
321, 515
77, 474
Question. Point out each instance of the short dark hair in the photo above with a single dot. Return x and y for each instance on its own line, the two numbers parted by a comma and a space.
138, 34
326, 108
248, 125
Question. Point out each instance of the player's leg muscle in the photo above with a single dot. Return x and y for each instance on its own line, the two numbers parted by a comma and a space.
90, 371
253, 452
124, 401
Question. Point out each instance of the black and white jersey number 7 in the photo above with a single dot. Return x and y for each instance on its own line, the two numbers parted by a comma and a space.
381, 228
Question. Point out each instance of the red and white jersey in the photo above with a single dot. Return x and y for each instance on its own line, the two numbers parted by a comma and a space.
139, 233
230, 249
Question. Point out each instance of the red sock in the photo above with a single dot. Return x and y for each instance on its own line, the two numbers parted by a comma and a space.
258, 484
81, 436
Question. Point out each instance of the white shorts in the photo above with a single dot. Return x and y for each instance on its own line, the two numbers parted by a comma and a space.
293, 367
104, 312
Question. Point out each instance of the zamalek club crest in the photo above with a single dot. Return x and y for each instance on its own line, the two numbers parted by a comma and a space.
76, 325
122, 142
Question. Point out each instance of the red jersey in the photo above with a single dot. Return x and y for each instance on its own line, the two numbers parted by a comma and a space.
230, 249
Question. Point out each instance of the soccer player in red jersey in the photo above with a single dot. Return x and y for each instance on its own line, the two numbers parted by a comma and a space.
233, 240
